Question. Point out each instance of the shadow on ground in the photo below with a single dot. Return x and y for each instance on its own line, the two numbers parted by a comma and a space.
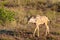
23, 35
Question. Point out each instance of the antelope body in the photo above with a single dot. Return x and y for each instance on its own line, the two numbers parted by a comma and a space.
38, 21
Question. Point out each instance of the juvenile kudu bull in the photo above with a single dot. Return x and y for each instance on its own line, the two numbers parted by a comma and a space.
40, 20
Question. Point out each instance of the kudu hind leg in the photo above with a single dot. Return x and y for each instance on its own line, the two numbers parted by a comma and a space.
47, 29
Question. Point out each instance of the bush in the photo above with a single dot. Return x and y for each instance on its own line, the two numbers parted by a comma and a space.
6, 15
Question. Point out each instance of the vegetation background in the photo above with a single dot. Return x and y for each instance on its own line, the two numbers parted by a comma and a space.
14, 15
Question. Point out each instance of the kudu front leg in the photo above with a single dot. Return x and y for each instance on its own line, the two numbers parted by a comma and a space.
38, 31
35, 31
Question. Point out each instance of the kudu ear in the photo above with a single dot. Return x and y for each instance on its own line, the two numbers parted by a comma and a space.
28, 17
31, 17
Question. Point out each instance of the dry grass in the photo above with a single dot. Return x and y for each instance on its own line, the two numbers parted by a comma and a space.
23, 12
